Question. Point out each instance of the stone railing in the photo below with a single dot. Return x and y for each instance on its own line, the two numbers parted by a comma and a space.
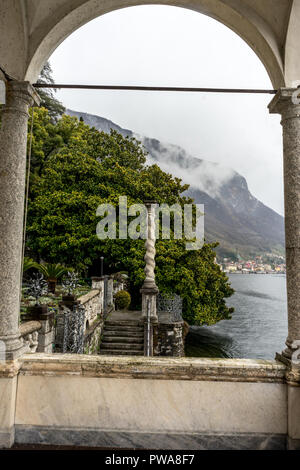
96, 304
168, 336
38, 333
30, 334
93, 305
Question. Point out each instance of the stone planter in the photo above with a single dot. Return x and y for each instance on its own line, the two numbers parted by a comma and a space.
68, 298
52, 285
37, 311
69, 301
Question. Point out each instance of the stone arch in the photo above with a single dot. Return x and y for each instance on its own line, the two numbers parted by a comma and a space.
50, 31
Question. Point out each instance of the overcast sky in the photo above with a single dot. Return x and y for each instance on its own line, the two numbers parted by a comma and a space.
170, 46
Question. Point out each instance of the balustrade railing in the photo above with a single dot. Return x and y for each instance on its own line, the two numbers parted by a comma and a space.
172, 305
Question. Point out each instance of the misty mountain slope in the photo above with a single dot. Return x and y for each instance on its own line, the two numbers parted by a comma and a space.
233, 216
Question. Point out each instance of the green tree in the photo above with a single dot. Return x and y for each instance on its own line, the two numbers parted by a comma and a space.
75, 169
48, 100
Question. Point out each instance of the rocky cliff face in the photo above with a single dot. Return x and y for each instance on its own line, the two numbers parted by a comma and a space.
240, 222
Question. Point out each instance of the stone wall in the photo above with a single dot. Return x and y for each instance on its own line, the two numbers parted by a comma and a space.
169, 339
168, 336
93, 306
151, 403
92, 337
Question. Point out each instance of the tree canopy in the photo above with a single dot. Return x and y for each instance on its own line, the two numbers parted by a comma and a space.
48, 100
76, 168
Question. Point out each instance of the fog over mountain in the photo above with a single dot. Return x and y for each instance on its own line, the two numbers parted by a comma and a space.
233, 216
200, 174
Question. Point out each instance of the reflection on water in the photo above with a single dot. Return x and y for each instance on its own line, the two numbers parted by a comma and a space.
258, 328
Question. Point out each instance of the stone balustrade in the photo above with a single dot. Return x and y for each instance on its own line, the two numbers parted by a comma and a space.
96, 304
38, 333
93, 305
30, 334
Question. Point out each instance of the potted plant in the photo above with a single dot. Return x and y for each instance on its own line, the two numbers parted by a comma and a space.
52, 273
37, 288
69, 284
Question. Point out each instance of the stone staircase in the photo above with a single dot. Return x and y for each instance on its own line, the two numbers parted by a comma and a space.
122, 338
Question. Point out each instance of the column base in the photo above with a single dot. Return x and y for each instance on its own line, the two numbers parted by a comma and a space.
292, 375
149, 293
13, 348
149, 288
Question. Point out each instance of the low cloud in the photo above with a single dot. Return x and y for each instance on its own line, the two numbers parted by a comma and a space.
200, 174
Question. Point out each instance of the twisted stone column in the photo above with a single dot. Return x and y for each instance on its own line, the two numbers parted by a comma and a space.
149, 290
286, 103
13, 143
150, 248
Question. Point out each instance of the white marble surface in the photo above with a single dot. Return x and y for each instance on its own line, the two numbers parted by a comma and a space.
8, 388
294, 412
7, 402
151, 405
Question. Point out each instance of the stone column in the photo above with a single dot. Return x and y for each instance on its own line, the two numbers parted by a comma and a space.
149, 290
287, 103
13, 142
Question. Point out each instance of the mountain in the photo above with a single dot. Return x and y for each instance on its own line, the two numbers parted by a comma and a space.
233, 216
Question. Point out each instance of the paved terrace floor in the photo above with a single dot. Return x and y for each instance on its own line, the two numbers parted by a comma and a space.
125, 315
135, 315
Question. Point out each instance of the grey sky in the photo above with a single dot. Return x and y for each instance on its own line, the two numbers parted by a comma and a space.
169, 46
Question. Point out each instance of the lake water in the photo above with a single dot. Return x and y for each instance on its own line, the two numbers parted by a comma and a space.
258, 328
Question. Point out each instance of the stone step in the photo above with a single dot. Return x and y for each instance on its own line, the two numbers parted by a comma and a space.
123, 334
121, 346
121, 352
129, 329
122, 339
124, 323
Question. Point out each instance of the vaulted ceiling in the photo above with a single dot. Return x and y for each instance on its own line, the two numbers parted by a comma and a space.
30, 30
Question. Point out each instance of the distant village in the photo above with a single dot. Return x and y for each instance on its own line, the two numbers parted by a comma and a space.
259, 265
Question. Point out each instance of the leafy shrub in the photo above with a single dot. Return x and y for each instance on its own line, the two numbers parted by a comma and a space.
28, 263
52, 273
122, 299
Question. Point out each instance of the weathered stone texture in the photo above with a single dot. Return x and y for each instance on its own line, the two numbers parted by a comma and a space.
42, 327
93, 305
170, 339
13, 143
92, 338
8, 388
30, 335
283, 104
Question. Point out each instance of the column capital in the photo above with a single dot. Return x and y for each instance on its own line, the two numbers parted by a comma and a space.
22, 90
286, 102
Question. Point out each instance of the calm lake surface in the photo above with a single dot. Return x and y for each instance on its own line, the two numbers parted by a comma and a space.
258, 328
